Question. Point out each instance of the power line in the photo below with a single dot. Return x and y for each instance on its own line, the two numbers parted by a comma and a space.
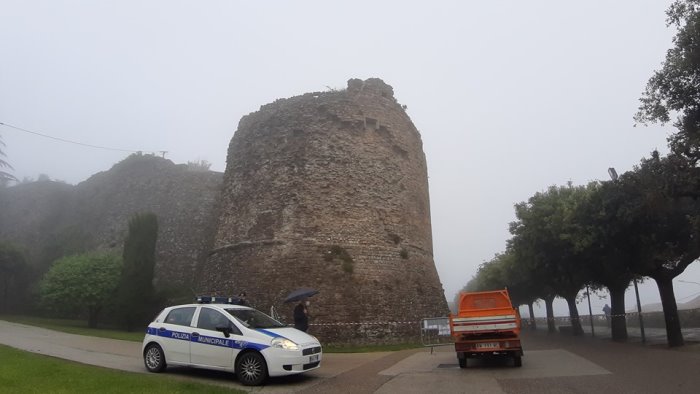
78, 143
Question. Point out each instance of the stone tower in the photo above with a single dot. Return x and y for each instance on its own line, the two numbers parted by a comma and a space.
330, 191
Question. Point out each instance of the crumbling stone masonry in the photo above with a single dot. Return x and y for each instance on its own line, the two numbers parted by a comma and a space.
330, 190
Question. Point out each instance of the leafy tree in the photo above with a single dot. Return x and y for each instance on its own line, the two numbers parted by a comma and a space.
136, 294
4, 176
198, 165
523, 289
666, 232
81, 283
531, 263
14, 274
493, 275
604, 241
675, 88
490, 275
503, 271
547, 235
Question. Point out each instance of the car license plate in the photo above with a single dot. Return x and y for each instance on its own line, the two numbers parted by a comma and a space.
487, 345
313, 358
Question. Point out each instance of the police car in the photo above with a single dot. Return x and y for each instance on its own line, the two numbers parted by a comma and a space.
214, 334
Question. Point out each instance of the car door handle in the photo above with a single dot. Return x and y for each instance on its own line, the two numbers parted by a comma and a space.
161, 329
195, 334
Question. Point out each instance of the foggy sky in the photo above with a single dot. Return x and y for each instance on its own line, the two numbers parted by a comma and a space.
510, 97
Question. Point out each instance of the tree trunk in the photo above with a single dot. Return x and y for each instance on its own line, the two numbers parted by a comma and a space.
551, 327
668, 301
618, 323
93, 313
573, 316
533, 324
5, 295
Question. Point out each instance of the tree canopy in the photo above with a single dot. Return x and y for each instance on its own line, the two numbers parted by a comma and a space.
675, 88
547, 239
604, 231
83, 283
604, 234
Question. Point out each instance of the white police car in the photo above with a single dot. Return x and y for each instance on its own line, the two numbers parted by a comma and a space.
236, 338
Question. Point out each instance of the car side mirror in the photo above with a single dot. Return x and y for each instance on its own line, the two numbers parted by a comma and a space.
226, 330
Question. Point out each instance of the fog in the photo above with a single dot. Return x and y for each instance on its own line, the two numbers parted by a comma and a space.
510, 97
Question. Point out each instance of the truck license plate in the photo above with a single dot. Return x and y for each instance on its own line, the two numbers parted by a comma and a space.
487, 345
313, 358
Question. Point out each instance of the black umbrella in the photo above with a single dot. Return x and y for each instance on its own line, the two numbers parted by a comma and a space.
300, 294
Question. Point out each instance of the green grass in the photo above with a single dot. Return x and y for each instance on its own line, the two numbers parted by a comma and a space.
78, 327
23, 372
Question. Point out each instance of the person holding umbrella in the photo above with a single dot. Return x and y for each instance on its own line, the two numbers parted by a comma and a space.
301, 311
301, 315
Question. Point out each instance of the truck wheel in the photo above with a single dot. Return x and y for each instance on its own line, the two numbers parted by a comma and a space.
517, 361
462, 362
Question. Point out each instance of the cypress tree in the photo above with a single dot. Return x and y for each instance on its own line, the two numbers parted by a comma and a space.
136, 294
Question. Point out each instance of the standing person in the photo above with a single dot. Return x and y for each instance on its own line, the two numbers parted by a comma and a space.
606, 311
242, 300
301, 315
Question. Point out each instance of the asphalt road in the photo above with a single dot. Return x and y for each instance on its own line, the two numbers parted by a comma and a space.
553, 363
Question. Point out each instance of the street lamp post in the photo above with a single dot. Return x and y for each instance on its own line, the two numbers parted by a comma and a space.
590, 311
613, 176
639, 310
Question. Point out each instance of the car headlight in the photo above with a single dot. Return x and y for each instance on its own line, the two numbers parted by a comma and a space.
284, 343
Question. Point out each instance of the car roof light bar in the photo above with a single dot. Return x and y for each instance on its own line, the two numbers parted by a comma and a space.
216, 300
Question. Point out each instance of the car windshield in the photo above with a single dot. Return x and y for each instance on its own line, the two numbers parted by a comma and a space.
252, 318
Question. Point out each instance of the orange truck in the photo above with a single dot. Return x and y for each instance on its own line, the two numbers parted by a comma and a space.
486, 325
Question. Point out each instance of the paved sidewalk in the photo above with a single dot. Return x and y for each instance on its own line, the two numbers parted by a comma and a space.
108, 353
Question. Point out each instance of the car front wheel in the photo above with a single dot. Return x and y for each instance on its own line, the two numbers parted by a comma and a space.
251, 369
154, 358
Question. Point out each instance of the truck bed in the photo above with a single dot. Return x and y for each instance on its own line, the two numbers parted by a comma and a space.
481, 324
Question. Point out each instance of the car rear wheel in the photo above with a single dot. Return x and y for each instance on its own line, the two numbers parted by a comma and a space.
154, 358
251, 369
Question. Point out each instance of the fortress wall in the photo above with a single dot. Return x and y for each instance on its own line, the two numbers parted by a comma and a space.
329, 190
